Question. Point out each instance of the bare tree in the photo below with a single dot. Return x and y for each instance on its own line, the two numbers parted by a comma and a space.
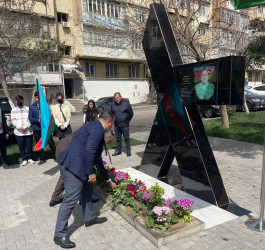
24, 39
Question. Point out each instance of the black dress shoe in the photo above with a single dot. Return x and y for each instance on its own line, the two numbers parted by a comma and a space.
116, 153
95, 200
5, 165
41, 162
54, 203
97, 220
128, 154
64, 242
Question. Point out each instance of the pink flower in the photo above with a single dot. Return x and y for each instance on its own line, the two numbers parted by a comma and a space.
133, 193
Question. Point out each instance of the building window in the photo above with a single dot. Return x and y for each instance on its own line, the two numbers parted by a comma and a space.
45, 67
104, 8
185, 4
134, 71
111, 70
90, 69
202, 30
101, 38
202, 10
250, 76
66, 50
45, 30
225, 37
260, 9
257, 77
137, 45
62, 17
53, 66
138, 15
230, 16
155, 30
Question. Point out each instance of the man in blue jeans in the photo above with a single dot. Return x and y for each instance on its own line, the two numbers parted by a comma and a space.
123, 113
77, 169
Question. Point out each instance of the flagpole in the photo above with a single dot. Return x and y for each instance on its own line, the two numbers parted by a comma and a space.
259, 224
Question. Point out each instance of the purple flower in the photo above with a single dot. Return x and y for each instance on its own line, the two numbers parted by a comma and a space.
147, 196
104, 163
120, 176
185, 204
167, 202
161, 210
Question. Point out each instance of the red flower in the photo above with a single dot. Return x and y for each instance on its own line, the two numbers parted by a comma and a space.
130, 188
139, 182
126, 176
113, 168
143, 188
133, 193
115, 172
107, 167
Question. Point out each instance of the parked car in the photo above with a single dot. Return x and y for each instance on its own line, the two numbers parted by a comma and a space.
209, 111
260, 89
103, 104
6, 109
254, 101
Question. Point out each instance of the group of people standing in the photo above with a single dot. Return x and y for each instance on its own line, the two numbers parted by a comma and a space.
27, 123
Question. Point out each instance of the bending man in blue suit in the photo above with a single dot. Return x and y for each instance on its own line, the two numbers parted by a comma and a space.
78, 172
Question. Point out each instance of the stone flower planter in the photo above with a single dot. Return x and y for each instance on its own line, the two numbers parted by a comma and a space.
156, 236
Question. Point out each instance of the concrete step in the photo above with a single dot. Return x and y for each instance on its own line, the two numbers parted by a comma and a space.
77, 103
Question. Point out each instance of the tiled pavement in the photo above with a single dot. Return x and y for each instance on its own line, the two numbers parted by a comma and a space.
27, 221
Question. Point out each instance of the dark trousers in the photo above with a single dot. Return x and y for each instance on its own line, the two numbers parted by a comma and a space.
25, 146
37, 136
118, 134
3, 148
59, 189
74, 188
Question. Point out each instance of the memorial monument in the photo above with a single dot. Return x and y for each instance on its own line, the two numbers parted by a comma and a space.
178, 130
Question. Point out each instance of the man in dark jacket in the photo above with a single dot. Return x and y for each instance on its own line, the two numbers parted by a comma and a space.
77, 163
3, 138
34, 118
123, 113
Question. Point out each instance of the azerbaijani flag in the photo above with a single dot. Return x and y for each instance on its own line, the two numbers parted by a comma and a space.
47, 120
244, 4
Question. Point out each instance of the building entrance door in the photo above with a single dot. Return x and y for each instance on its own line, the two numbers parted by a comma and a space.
68, 83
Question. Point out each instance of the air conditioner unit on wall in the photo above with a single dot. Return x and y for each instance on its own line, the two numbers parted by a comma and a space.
66, 24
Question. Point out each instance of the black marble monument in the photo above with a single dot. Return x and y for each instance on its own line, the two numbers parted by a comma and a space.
178, 129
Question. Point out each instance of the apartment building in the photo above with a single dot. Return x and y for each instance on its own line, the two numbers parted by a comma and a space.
256, 76
112, 50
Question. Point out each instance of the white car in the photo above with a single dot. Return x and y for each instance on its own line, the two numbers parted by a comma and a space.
260, 89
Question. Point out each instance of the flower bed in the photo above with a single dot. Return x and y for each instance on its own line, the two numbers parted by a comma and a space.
160, 220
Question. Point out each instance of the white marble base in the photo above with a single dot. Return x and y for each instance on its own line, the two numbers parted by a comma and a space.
211, 215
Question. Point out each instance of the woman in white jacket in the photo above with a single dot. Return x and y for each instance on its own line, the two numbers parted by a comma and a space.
23, 130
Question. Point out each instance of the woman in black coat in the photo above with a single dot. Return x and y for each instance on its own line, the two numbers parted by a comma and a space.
91, 113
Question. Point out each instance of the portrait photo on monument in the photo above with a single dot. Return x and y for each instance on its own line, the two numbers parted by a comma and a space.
205, 83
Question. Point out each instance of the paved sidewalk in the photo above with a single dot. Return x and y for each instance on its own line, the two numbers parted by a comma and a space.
27, 221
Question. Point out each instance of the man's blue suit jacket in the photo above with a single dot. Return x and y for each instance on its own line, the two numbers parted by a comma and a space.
84, 151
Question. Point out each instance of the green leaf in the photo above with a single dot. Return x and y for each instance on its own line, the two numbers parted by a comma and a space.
174, 218
150, 222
